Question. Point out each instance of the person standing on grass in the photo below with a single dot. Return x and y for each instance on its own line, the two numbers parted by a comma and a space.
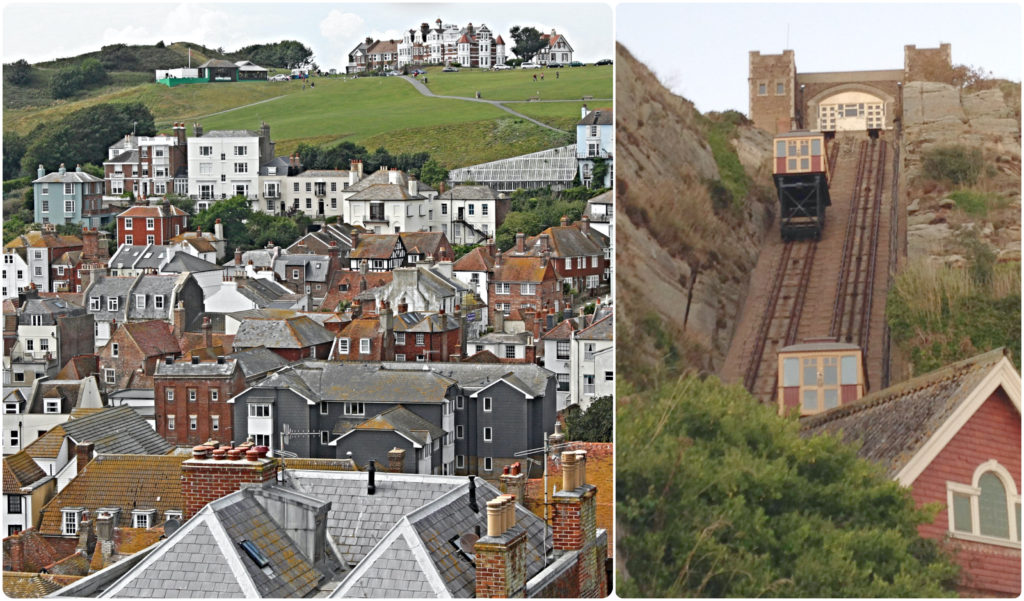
534, 77
556, 74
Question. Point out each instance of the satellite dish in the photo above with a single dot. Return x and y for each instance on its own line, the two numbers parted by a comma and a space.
170, 526
467, 542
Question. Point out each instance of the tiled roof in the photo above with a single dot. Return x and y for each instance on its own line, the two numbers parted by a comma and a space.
477, 259
562, 331
521, 269
365, 382
117, 430
330, 465
78, 412
76, 564
125, 481
426, 243
153, 211
484, 356
386, 192
154, 337
893, 424
20, 470
19, 585
534, 378
37, 552
202, 369
366, 327
38, 239
352, 279
469, 192
48, 445
68, 177
375, 246
418, 321
566, 241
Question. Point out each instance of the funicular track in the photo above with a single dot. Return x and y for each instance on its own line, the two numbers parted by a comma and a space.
851, 315
781, 318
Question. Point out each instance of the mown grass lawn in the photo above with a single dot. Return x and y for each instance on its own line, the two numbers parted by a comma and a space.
518, 84
563, 115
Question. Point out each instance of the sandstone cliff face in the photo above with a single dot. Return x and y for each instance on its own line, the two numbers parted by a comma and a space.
682, 263
936, 114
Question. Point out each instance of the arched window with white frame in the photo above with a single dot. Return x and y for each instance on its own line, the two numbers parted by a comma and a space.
987, 510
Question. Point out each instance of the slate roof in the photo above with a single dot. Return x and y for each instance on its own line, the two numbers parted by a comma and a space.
386, 192
331, 381
48, 307
203, 369
204, 556
68, 177
374, 246
258, 360
153, 285
218, 63
315, 267
381, 176
48, 445
106, 286
281, 163
358, 521
154, 337
117, 430
140, 256
437, 568
474, 376
599, 330
263, 292
397, 419
469, 192
600, 116
330, 465
20, 470
125, 481
477, 259
418, 321
183, 262
893, 424
294, 332
68, 391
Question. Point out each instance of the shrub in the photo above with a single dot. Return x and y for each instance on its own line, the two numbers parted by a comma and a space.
957, 164
18, 73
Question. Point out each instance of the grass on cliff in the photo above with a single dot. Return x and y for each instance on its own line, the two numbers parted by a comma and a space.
940, 314
720, 129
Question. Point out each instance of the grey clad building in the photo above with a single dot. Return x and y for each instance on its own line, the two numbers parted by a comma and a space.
442, 418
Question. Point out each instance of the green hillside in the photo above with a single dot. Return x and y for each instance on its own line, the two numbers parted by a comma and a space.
518, 84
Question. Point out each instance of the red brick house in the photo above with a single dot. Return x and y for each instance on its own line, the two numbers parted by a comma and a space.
522, 282
366, 339
580, 254
191, 399
421, 336
151, 224
135, 346
954, 438
346, 285
66, 270
293, 338
145, 165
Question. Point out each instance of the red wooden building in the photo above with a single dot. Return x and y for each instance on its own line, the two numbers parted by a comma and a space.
151, 224
953, 438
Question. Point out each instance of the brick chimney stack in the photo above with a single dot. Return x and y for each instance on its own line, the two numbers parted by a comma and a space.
396, 460
520, 242
213, 473
501, 555
513, 482
83, 454
565, 221
574, 522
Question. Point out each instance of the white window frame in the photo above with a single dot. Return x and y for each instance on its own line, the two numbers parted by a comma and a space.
502, 288
169, 394
158, 301
109, 375
528, 289
170, 422
459, 432
460, 402
255, 409
488, 404
140, 301
129, 239
214, 395
460, 461
193, 394
420, 339
364, 346
94, 303
323, 408
150, 223
51, 405
193, 422
354, 408
140, 520
488, 434
400, 338
68, 527
215, 423
973, 491
343, 346
488, 464
112, 303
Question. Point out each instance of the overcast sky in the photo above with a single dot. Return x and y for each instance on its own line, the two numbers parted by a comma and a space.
700, 51
45, 31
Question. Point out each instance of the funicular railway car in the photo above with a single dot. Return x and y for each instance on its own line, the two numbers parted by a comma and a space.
801, 178
820, 374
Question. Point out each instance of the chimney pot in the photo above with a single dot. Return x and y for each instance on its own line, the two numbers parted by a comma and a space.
494, 521
234, 454
252, 455
262, 450
219, 454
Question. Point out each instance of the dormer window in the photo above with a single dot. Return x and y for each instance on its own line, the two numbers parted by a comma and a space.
69, 521
94, 303
158, 301
140, 301
51, 406
143, 518
112, 304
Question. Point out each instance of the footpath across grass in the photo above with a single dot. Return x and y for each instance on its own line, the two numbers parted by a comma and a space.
518, 84
563, 115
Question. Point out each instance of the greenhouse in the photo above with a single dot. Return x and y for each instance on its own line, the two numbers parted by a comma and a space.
555, 167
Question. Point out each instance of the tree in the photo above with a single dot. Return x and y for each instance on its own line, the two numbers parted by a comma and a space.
515, 222
66, 82
718, 497
263, 228
232, 213
18, 73
433, 173
84, 135
592, 425
528, 42
14, 149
